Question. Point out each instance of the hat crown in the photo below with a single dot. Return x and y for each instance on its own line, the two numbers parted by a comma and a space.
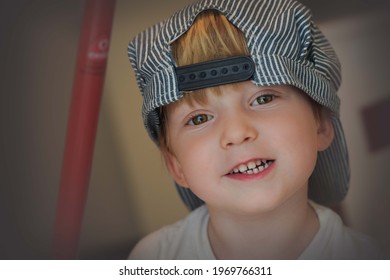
281, 36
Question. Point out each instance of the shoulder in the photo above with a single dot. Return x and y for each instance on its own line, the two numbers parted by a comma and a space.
176, 241
334, 240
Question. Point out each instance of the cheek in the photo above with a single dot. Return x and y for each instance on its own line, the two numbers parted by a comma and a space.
295, 139
195, 157
297, 127
198, 163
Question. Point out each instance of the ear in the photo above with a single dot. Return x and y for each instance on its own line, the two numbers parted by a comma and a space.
325, 131
174, 168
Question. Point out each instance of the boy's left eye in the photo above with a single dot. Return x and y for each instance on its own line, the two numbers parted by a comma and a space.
263, 99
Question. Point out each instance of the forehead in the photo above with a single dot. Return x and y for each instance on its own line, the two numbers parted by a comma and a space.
201, 97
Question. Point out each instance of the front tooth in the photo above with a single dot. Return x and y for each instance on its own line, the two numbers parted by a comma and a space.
242, 168
251, 165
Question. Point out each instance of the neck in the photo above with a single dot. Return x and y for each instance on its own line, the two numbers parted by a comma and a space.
281, 233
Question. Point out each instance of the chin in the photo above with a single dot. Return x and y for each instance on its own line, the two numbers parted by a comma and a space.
256, 206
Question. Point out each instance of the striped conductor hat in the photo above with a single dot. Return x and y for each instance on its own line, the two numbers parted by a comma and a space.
286, 48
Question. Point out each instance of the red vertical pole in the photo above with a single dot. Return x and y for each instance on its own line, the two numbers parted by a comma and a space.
82, 125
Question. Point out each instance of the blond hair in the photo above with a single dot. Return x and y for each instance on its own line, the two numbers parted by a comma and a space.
210, 37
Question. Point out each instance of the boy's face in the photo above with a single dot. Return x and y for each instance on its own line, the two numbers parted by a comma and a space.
271, 130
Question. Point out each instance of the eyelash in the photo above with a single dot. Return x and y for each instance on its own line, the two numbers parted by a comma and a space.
266, 98
193, 117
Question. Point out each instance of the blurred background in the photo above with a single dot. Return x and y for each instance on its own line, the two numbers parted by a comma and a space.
130, 193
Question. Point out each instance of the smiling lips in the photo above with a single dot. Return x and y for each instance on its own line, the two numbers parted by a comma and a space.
252, 167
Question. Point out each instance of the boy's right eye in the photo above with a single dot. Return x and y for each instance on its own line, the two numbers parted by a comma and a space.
199, 119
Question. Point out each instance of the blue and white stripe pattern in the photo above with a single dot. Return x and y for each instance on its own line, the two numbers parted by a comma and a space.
287, 48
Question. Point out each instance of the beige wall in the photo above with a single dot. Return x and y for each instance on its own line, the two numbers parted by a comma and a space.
130, 192
150, 186
38, 49
363, 46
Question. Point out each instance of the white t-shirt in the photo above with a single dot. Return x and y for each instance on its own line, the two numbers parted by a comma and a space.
188, 240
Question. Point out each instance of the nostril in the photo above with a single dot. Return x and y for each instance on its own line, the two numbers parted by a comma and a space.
238, 141
238, 129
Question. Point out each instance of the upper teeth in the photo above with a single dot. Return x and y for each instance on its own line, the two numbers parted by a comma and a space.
252, 167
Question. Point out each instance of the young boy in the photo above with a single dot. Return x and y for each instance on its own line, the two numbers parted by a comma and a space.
240, 96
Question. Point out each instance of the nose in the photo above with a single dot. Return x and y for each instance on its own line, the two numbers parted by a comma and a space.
238, 128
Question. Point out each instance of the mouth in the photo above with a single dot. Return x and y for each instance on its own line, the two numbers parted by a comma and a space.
251, 167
